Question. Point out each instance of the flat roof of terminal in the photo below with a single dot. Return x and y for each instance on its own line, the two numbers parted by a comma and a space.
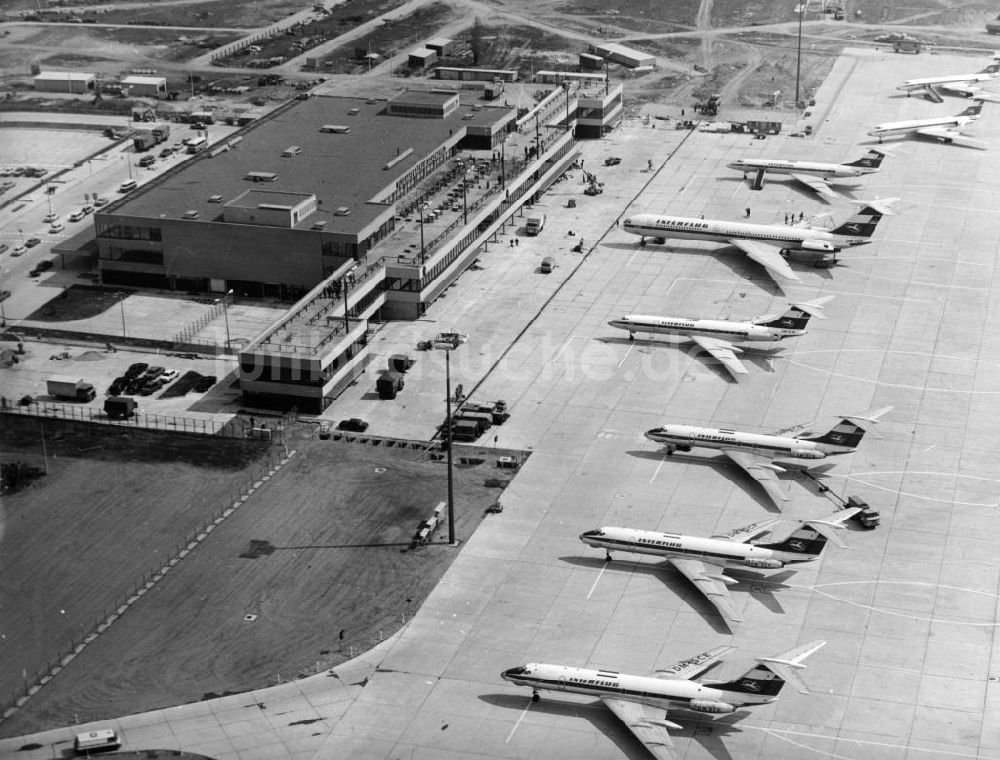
341, 169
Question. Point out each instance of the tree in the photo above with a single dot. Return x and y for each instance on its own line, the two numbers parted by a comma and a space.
477, 40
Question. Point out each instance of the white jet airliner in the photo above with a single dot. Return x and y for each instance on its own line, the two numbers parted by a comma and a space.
959, 84
723, 338
766, 243
700, 559
810, 173
641, 701
942, 128
756, 452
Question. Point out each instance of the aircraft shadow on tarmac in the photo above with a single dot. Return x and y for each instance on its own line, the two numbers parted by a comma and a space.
760, 586
726, 468
762, 358
708, 733
733, 258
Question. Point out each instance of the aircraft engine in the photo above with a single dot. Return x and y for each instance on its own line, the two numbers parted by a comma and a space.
807, 454
764, 564
710, 706
818, 245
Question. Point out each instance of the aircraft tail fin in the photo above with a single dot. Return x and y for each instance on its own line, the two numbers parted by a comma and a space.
765, 679
871, 160
797, 316
864, 222
805, 540
973, 111
848, 433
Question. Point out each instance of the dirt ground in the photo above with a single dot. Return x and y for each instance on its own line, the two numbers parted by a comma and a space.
320, 555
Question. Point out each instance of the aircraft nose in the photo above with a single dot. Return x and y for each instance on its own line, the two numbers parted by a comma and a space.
653, 434
513, 673
591, 534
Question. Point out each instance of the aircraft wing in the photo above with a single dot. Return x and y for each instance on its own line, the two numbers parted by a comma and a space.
767, 255
693, 667
648, 725
748, 532
965, 89
711, 584
723, 351
761, 469
952, 136
818, 186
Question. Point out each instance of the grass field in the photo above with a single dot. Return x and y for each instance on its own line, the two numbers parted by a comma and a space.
322, 548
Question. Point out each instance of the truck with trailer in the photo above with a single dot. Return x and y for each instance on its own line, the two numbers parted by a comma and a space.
70, 388
147, 137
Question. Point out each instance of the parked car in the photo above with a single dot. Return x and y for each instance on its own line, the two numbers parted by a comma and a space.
50, 217
612, 161
44, 266
355, 425
149, 387
3, 247
166, 152
56, 228
76, 216
153, 372
118, 385
170, 375
324, 430
98, 202
32, 242
205, 383
19, 251
135, 370
87, 210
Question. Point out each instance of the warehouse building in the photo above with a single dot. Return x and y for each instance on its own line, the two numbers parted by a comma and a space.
626, 56
65, 81
146, 87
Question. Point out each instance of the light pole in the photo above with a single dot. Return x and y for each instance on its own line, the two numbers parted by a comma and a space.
798, 57
421, 209
3, 312
225, 311
448, 343
121, 303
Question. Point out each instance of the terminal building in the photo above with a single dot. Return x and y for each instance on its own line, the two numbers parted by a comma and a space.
321, 203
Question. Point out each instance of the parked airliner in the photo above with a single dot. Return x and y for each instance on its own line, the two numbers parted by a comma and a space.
700, 559
640, 701
942, 128
756, 452
959, 84
723, 338
766, 243
810, 173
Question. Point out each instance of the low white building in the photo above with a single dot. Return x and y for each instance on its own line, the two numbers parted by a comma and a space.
65, 81
146, 87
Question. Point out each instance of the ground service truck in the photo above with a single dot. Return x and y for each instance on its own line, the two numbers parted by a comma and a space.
72, 388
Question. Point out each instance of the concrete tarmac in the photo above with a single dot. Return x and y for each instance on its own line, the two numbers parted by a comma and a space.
909, 611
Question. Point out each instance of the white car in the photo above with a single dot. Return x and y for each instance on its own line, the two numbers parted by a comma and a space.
76, 216
169, 376
50, 217
56, 228
20, 250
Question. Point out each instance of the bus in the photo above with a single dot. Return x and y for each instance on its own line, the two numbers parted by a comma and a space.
197, 144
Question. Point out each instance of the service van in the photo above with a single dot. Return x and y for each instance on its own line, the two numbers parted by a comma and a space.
128, 186
548, 264
535, 224
101, 740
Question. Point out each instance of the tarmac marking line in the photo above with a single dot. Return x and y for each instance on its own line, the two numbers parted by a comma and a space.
597, 580
664, 459
785, 734
631, 346
518, 723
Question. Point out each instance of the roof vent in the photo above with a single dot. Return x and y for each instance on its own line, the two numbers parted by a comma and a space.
319, 225
342, 211
261, 176
356, 111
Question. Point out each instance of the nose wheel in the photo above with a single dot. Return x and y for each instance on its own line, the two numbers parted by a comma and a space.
535, 696
607, 556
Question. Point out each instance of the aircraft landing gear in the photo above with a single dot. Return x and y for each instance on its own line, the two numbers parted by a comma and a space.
671, 450
631, 336
607, 556
642, 242
535, 696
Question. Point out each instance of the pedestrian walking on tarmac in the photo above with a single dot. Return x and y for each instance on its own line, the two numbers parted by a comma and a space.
747, 211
